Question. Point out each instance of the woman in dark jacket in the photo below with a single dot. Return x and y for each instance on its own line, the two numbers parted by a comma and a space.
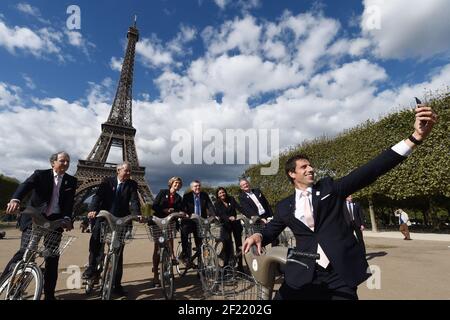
166, 202
226, 206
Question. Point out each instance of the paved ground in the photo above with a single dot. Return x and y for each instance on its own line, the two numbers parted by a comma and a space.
418, 269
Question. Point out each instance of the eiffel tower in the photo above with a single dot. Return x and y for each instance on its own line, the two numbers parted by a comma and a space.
117, 131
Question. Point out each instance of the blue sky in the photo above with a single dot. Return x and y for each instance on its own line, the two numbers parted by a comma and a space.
229, 64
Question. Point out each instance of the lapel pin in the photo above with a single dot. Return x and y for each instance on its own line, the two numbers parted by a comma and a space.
317, 193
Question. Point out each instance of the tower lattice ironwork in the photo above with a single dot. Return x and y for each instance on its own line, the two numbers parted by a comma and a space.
117, 131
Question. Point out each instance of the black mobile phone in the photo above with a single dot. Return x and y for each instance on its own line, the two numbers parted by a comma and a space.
422, 123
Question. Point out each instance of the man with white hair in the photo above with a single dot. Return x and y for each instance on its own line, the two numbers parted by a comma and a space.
119, 196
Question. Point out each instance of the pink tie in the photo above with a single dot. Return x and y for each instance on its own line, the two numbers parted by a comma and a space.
48, 212
309, 219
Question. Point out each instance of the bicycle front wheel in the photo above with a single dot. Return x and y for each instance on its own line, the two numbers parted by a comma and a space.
25, 284
109, 272
167, 274
209, 268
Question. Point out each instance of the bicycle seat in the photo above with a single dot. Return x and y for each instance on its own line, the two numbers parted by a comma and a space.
264, 267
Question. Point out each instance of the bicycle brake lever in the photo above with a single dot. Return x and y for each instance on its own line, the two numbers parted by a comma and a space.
298, 262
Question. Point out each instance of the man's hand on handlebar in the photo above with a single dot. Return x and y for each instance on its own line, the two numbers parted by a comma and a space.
92, 214
13, 206
254, 239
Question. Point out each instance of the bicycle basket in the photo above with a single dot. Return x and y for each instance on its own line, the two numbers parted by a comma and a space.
155, 232
216, 229
124, 233
256, 228
46, 242
235, 285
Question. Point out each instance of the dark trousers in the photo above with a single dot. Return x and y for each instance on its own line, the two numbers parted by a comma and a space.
325, 285
96, 249
51, 263
189, 226
231, 228
359, 236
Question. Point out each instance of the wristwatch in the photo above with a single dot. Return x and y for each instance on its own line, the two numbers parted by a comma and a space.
414, 140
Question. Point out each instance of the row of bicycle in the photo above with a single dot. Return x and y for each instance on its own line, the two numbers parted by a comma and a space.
218, 281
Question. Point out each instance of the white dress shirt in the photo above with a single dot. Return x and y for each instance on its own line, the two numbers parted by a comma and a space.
252, 196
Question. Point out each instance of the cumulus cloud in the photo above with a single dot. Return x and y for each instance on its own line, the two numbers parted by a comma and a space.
116, 64
76, 39
39, 43
407, 28
155, 54
32, 11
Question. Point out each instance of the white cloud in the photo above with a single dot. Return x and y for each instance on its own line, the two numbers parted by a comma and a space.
76, 39
32, 11
116, 64
29, 82
407, 28
154, 54
9, 95
42, 42
221, 3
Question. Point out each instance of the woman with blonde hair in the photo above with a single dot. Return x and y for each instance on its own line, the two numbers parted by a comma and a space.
166, 202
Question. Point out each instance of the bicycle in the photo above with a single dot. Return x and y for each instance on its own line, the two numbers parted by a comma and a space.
162, 231
235, 257
26, 279
207, 260
264, 269
116, 232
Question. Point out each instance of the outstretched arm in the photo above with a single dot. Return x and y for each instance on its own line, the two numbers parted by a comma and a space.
368, 173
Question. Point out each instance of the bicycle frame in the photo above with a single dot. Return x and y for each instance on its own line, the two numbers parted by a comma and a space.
264, 268
166, 273
114, 246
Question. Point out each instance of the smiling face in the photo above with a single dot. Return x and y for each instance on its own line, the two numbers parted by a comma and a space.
61, 164
222, 195
124, 172
196, 187
245, 186
303, 177
176, 185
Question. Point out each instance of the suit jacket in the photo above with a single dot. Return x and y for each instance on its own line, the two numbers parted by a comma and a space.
358, 213
162, 202
249, 208
41, 183
225, 212
128, 202
206, 205
330, 230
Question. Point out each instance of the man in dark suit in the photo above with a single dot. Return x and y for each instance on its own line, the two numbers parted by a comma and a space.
119, 196
355, 219
253, 201
194, 202
315, 215
53, 190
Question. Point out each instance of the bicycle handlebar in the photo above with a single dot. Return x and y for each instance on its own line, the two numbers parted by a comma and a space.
114, 221
264, 267
39, 220
165, 222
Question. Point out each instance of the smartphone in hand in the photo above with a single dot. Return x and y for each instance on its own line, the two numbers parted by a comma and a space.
422, 123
